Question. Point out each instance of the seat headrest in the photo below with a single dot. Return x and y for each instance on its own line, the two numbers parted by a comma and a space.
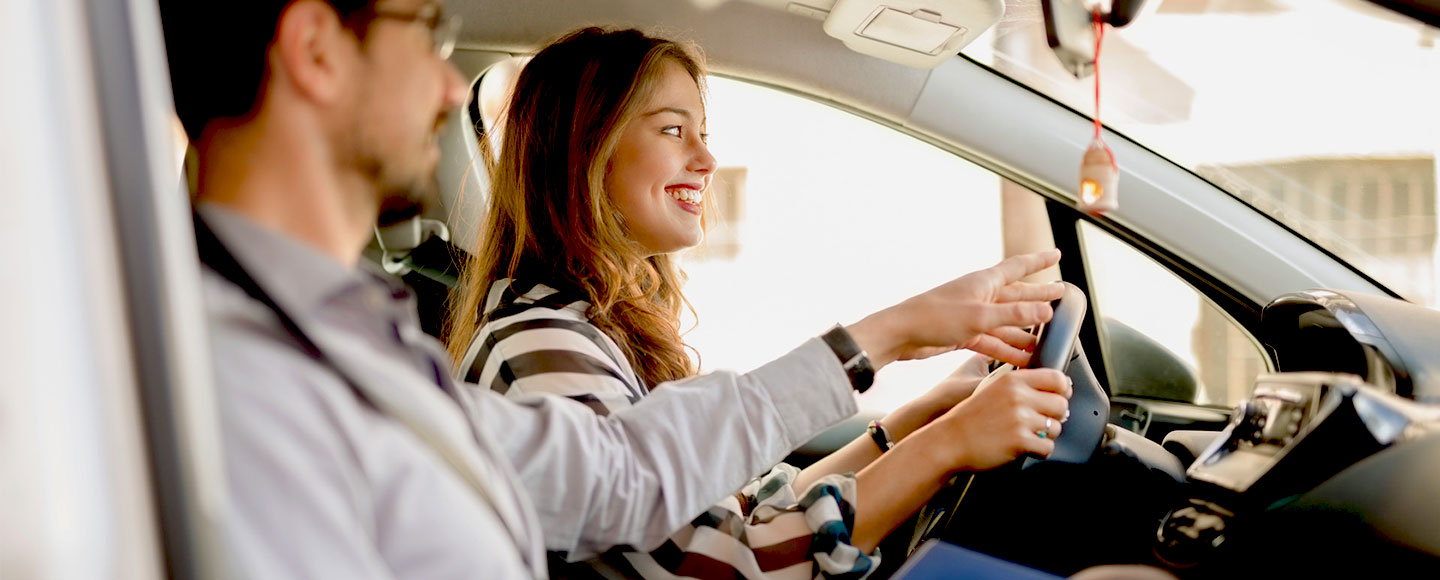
463, 181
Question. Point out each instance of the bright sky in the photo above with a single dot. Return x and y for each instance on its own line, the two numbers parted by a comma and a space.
1318, 80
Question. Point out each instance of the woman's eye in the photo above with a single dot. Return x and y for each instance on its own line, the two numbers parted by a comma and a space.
671, 130
705, 138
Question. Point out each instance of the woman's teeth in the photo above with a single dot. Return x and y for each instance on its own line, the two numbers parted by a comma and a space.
686, 195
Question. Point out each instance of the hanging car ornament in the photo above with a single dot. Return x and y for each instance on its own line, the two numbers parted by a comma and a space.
1099, 179
1074, 30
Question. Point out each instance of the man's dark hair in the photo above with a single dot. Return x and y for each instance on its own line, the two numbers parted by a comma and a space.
217, 54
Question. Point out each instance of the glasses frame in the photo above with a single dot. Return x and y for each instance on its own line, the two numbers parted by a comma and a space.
444, 28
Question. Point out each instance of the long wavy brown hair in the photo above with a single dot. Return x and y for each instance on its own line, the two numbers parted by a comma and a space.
550, 219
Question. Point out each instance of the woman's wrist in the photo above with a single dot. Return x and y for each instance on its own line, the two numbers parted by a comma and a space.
911, 416
880, 435
876, 336
945, 455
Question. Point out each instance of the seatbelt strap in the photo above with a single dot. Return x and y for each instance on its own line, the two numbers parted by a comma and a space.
214, 254
217, 257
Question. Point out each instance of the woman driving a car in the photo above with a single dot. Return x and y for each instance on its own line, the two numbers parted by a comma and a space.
575, 291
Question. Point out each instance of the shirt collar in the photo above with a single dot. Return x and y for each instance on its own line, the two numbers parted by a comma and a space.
507, 291
294, 273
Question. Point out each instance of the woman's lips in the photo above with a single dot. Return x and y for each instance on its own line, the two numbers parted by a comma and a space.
687, 206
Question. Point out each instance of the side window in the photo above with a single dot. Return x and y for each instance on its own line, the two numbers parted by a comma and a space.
1163, 339
824, 217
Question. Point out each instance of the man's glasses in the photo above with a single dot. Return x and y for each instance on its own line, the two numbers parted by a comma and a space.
444, 29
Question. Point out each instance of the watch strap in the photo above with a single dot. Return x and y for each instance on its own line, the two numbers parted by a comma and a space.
880, 436
854, 360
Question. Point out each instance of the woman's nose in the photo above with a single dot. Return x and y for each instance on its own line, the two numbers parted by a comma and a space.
702, 161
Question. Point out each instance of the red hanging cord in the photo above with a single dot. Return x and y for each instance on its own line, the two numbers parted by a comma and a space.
1099, 29
1099, 35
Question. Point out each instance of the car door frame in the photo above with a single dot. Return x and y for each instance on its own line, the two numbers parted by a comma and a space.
108, 429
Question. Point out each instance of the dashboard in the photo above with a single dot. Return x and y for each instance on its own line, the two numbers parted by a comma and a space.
1389, 343
1330, 466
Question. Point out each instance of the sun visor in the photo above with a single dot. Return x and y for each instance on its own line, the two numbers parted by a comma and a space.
918, 33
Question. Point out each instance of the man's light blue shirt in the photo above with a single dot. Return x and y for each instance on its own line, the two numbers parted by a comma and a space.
434, 481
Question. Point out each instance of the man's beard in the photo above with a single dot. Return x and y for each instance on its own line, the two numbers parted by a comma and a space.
400, 202
401, 194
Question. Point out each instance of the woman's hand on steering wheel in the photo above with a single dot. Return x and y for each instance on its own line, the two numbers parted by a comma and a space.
950, 391
1018, 413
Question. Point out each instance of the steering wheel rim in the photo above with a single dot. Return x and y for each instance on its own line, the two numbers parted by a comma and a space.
1058, 348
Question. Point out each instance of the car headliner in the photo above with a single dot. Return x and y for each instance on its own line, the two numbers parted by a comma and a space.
960, 106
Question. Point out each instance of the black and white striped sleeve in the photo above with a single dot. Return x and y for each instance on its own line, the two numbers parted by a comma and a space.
541, 351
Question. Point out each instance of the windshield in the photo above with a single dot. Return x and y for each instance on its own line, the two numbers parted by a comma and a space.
1322, 113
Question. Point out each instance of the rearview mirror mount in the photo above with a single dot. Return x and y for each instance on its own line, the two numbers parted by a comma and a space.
1070, 31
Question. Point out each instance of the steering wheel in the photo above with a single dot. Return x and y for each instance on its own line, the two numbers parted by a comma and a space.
1057, 348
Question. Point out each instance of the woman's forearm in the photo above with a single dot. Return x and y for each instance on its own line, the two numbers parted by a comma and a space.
851, 458
862, 450
893, 487
998, 424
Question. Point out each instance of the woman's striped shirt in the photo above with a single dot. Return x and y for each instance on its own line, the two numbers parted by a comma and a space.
535, 340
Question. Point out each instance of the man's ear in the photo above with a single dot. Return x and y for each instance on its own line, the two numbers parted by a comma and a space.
314, 52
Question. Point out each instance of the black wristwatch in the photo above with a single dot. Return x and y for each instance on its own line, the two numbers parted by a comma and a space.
854, 360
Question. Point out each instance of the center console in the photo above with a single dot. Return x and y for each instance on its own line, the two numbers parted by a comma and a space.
1294, 432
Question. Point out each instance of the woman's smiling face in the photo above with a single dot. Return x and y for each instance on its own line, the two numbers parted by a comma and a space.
661, 167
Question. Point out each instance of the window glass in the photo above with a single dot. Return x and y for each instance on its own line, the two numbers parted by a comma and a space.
826, 217
1162, 338
1320, 113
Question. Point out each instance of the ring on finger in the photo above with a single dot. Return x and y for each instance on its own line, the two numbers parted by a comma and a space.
1044, 433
